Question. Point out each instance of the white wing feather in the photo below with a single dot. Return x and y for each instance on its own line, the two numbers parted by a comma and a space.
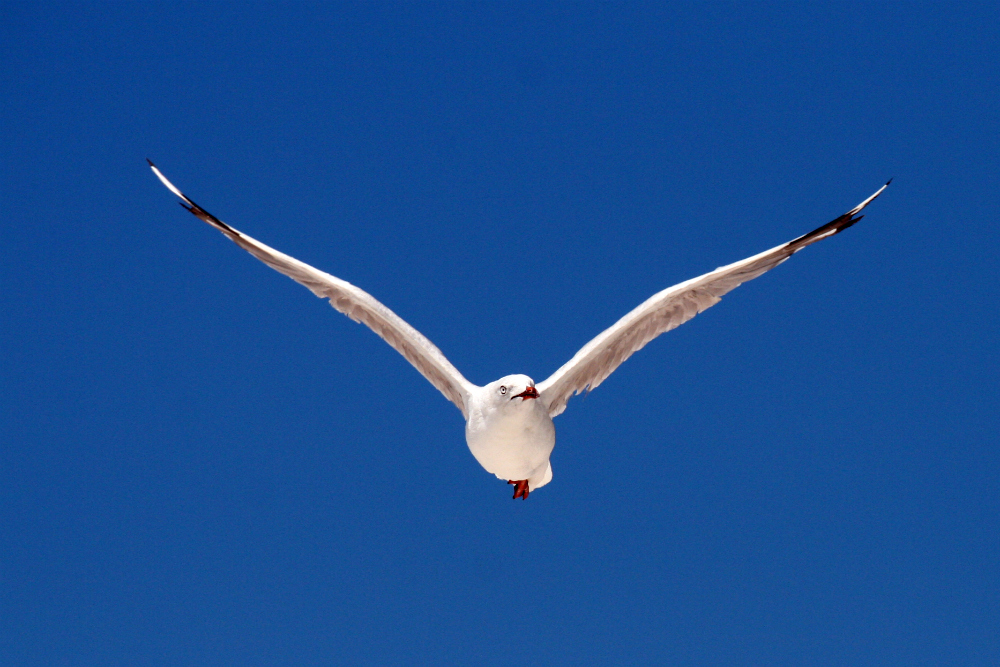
667, 310
353, 302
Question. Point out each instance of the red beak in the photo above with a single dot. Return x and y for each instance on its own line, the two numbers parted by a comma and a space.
530, 392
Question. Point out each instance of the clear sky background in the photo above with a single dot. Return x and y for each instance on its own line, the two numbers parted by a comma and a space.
202, 463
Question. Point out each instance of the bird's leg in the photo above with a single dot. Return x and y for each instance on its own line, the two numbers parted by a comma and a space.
520, 488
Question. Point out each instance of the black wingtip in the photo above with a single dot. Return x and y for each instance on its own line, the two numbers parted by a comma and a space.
888, 182
150, 162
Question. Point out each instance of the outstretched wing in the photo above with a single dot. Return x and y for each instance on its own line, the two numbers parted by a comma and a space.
351, 301
669, 309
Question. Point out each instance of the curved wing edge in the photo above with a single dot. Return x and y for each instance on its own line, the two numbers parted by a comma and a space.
351, 301
669, 309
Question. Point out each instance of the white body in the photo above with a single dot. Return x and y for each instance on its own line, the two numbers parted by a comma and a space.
511, 437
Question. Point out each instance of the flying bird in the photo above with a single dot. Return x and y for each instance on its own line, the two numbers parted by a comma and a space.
508, 422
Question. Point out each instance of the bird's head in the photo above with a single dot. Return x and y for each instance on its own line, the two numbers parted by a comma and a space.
513, 390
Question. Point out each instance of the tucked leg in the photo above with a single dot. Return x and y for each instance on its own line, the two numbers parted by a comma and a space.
520, 488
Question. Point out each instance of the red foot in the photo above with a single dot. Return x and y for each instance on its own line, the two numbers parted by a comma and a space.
520, 488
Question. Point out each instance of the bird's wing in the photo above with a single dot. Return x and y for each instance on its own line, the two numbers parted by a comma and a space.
669, 309
351, 301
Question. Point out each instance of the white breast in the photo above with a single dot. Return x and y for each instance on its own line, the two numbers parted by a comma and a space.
512, 441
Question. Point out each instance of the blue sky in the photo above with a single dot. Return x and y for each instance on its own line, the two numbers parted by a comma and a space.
202, 463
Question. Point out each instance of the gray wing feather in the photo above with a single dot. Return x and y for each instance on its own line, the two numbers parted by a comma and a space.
351, 301
669, 309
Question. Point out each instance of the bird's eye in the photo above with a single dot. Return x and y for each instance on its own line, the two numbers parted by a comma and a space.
503, 390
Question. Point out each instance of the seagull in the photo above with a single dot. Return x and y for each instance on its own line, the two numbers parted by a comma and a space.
508, 422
